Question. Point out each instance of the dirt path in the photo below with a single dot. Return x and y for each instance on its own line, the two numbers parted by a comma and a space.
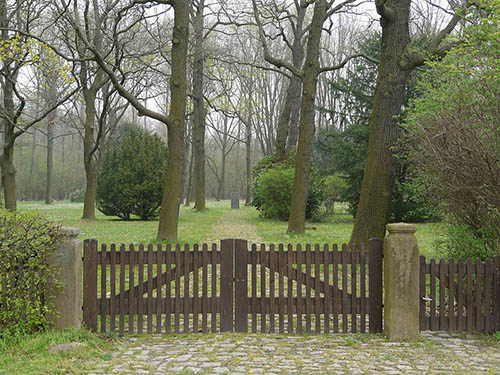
235, 224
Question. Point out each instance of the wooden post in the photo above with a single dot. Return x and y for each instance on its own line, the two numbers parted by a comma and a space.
90, 285
375, 285
496, 293
226, 285
241, 286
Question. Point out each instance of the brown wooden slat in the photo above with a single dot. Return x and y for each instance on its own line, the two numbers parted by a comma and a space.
362, 289
300, 306
479, 296
434, 318
150, 290
281, 297
226, 286
122, 289
103, 287
452, 320
241, 286
204, 298
345, 327
215, 309
422, 293
159, 266
177, 278
354, 281
254, 288
469, 303
460, 296
290, 288
168, 287
112, 286
131, 284
488, 276
496, 293
196, 295
186, 286
90, 284
375, 285
442, 295
272, 270
140, 294
262, 288
336, 291
317, 293
308, 303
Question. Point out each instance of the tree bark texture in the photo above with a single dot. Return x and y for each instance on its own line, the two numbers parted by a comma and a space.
286, 132
393, 76
199, 110
50, 154
169, 213
88, 155
296, 222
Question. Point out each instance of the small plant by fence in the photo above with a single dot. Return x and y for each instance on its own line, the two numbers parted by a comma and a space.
460, 295
233, 287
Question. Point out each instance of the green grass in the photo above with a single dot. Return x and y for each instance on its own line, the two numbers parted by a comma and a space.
193, 226
215, 223
29, 354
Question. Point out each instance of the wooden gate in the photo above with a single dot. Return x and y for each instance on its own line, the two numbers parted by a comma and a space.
460, 295
272, 288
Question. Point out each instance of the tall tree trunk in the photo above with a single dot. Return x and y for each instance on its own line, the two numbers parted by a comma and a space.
393, 76
169, 213
189, 187
248, 148
199, 110
32, 165
88, 156
296, 223
50, 149
289, 115
222, 180
9, 176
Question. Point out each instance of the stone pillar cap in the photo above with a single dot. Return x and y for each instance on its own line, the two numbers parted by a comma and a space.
70, 231
401, 228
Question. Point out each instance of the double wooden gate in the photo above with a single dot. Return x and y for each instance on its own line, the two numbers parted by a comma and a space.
169, 289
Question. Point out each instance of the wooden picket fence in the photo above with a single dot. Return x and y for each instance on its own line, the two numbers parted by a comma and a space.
460, 295
234, 286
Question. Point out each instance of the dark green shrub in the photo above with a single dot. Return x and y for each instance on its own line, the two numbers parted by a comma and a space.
26, 242
273, 192
131, 176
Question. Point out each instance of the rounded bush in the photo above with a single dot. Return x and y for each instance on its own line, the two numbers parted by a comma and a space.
131, 176
273, 193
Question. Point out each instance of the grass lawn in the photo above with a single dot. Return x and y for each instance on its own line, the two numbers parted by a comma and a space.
215, 223
30, 355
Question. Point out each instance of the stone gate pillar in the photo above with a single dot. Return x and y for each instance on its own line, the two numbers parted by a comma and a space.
67, 259
401, 282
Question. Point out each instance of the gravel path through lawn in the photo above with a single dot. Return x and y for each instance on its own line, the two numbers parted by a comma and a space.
235, 224
288, 354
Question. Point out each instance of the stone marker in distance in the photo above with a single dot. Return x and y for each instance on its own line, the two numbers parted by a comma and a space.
235, 200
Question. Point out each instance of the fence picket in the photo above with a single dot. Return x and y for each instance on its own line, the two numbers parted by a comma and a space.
317, 292
308, 301
103, 287
336, 296
112, 287
150, 291
290, 288
160, 307
140, 294
204, 293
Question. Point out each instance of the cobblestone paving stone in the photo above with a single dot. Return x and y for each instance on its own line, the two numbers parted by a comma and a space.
287, 354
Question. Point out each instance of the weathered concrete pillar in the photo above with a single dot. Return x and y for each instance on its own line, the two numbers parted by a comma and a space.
68, 260
401, 282
235, 200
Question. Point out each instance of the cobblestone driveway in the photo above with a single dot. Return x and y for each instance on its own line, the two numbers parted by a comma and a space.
286, 354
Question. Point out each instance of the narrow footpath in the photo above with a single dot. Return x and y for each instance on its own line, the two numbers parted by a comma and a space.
237, 223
